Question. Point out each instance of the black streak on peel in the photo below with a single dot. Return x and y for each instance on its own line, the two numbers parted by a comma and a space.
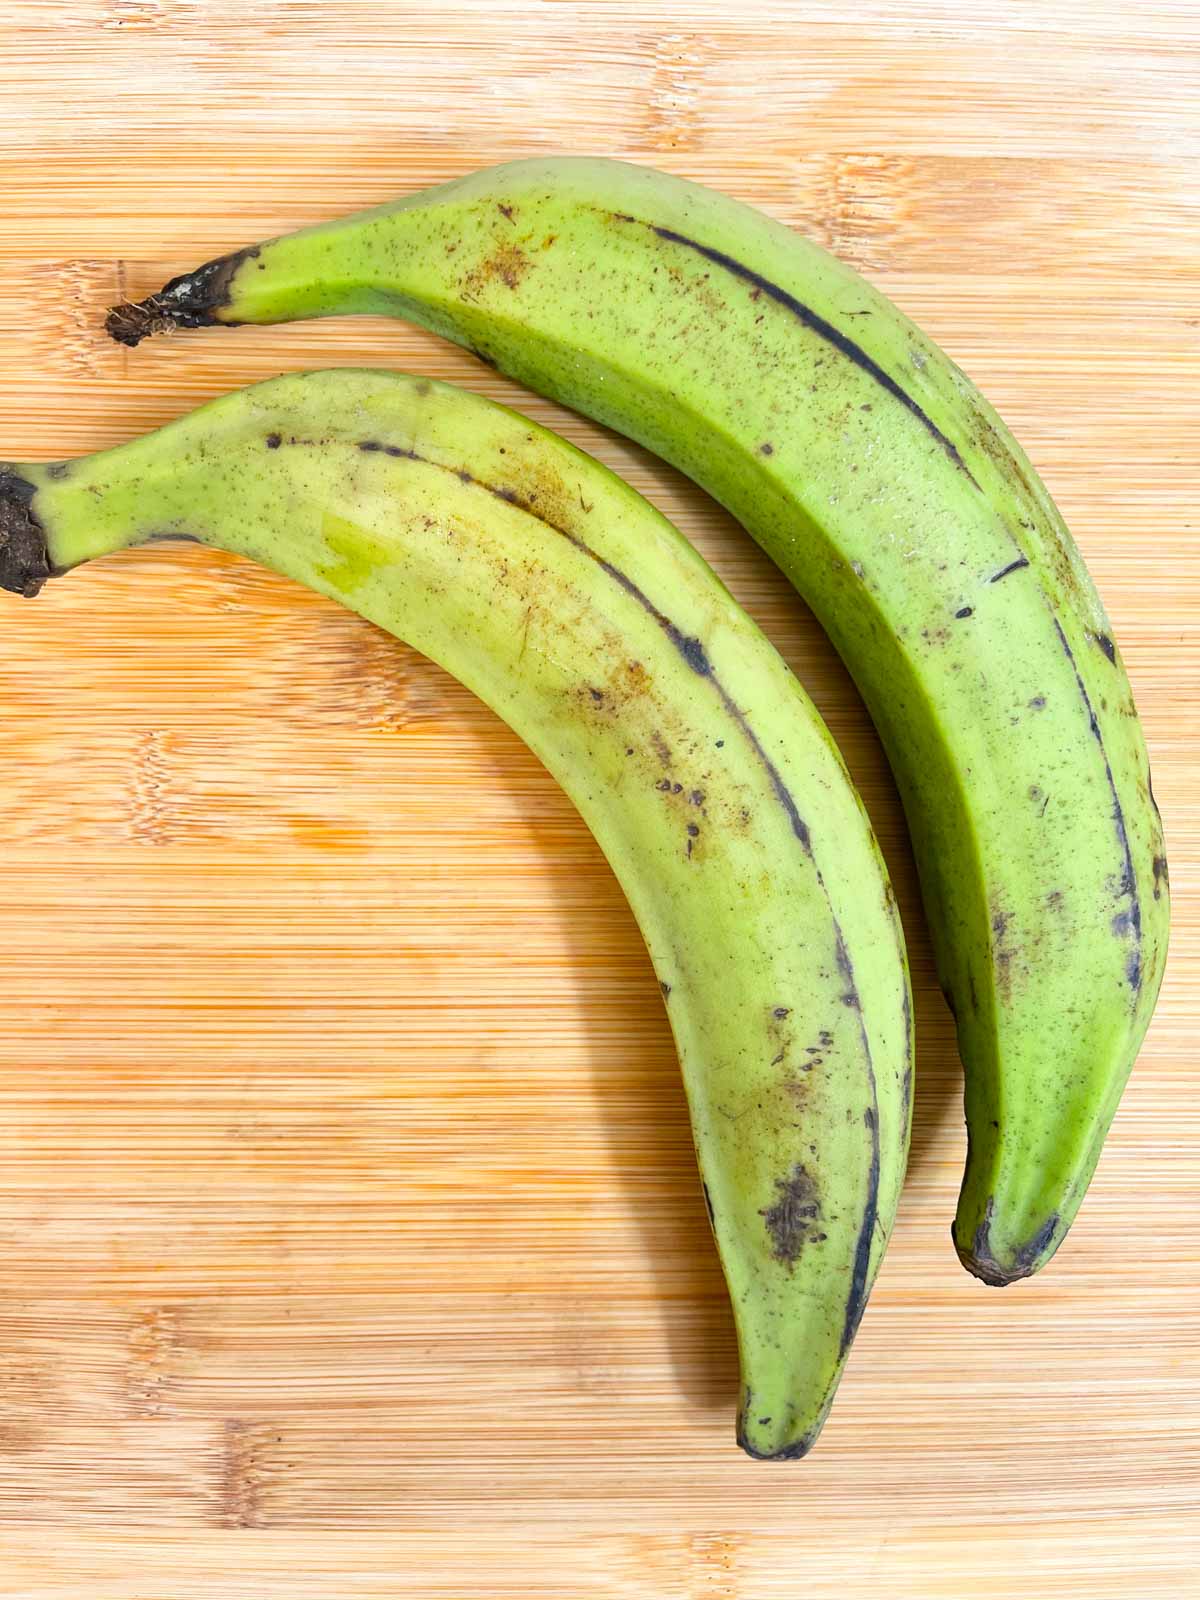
374, 447
1013, 566
1029, 1256
1161, 877
1133, 966
689, 647
841, 342
856, 1300
906, 1002
695, 656
692, 651
1106, 644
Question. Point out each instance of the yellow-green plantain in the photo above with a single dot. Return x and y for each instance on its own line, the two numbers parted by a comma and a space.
581, 616
892, 495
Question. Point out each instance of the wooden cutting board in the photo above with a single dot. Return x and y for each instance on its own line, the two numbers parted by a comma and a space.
352, 1239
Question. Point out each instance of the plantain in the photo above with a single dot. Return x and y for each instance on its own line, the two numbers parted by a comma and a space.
893, 497
585, 620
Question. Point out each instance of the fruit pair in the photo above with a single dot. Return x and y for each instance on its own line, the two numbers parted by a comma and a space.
892, 496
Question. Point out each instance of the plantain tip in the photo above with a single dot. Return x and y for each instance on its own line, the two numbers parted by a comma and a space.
793, 1449
796, 1451
981, 1262
988, 1270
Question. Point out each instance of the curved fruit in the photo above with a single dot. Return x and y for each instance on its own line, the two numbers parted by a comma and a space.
582, 617
894, 498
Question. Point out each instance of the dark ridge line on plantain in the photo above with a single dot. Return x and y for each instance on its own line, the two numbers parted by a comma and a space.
1133, 967
812, 320
693, 652
689, 647
1013, 566
856, 1300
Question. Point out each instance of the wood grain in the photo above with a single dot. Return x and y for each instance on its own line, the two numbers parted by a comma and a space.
352, 1240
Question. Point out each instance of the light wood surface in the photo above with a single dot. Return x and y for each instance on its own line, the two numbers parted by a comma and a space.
352, 1244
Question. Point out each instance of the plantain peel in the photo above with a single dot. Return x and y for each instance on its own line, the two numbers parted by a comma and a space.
573, 609
894, 498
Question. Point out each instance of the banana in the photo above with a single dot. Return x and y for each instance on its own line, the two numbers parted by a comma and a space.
891, 494
585, 620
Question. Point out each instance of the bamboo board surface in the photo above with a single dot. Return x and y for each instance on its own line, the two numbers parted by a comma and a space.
352, 1239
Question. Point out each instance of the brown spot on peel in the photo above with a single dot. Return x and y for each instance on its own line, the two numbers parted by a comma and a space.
508, 264
789, 1220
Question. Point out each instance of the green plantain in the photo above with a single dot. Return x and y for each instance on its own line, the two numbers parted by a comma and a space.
581, 616
891, 494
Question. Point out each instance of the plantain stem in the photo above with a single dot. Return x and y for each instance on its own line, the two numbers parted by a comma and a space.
24, 557
189, 301
135, 320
